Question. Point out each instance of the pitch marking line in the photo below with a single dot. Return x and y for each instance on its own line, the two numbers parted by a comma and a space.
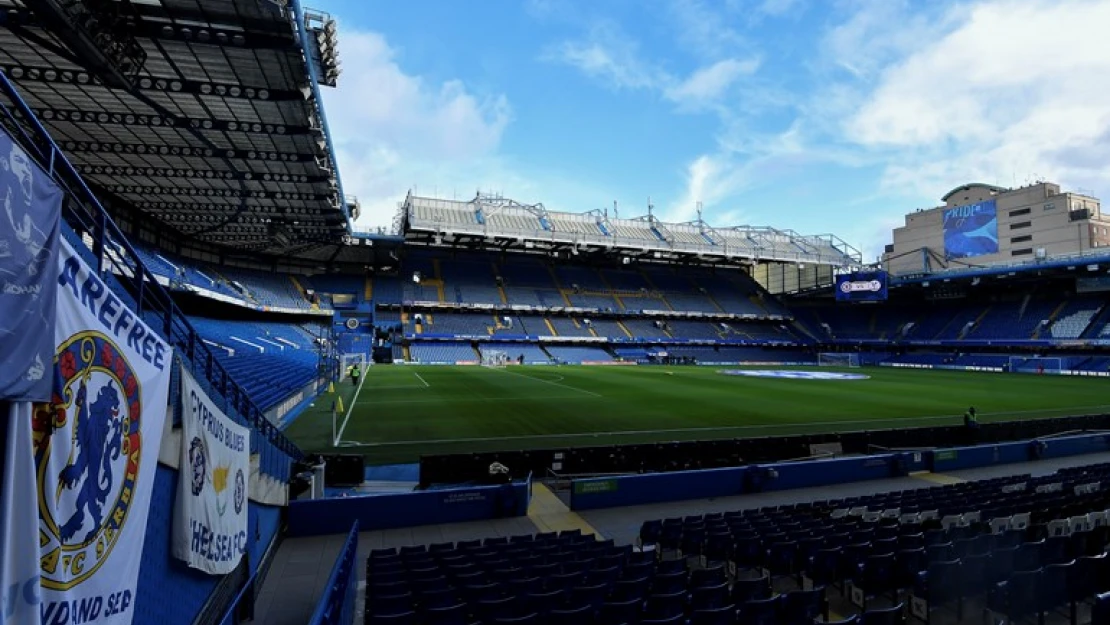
722, 428
400, 387
350, 409
556, 383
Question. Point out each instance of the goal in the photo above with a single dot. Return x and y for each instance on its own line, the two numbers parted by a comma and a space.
348, 361
494, 358
829, 359
1035, 364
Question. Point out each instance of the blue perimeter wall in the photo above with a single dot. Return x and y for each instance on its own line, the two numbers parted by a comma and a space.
587, 494
169, 592
633, 490
379, 512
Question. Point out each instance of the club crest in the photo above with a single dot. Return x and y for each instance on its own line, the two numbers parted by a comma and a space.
87, 454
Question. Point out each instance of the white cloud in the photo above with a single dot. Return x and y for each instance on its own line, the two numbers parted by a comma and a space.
705, 28
777, 8
393, 130
607, 55
611, 57
1015, 88
708, 84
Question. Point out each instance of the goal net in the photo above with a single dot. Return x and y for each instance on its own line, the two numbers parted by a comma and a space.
494, 358
825, 359
1036, 364
348, 362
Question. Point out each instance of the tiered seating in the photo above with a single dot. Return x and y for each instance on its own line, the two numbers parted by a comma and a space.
607, 328
536, 325
387, 290
733, 294
183, 271
442, 353
1100, 363
270, 360
645, 329
593, 300
546, 578
346, 286
632, 354
577, 355
641, 303
757, 331
956, 360
454, 323
1002, 320
625, 280
470, 280
267, 289
684, 329
1021, 545
533, 354
1074, 318
565, 326
516, 326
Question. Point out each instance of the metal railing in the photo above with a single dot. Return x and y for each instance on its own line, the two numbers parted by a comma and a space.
89, 219
337, 606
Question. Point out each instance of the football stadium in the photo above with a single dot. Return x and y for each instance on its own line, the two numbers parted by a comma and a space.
224, 401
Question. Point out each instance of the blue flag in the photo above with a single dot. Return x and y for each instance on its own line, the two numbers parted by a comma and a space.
30, 215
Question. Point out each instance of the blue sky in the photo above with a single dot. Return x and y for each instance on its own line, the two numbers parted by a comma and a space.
816, 115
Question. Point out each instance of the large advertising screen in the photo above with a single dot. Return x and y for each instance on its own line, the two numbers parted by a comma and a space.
870, 286
971, 230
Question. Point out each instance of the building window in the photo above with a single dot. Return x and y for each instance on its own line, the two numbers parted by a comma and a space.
1020, 224
1022, 239
1019, 212
1025, 251
1049, 206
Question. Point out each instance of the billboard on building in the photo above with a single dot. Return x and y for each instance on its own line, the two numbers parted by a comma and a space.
971, 230
869, 286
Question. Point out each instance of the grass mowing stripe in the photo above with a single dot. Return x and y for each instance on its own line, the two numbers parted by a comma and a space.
470, 409
556, 383
896, 421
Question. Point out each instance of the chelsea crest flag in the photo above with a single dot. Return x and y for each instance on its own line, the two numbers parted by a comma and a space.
210, 516
96, 449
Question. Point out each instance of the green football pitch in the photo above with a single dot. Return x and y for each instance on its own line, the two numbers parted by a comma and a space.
403, 412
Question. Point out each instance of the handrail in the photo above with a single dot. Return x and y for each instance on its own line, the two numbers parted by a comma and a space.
146, 285
342, 574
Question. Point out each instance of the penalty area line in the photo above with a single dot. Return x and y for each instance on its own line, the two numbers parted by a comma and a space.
535, 379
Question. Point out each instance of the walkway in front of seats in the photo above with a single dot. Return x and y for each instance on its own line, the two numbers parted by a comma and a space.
301, 567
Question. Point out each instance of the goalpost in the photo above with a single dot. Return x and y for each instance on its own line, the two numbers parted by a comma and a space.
832, 359
1036, 364
494, 358
348, 361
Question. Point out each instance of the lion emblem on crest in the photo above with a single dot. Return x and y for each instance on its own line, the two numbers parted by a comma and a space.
87, 454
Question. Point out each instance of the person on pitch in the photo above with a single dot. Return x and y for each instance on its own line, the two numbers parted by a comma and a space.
356, 371
971, 424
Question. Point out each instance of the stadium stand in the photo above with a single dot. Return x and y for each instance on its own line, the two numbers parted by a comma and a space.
569, 326
272, 360
930, 552
443, 353
574, 355
533, 354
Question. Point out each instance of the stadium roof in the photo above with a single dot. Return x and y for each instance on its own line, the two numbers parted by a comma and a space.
496, 221
204, 114
974, 185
